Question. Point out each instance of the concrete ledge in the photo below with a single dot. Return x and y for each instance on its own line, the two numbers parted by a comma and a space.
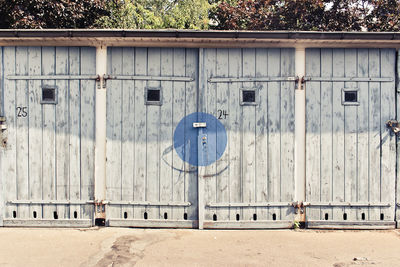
78, 223
358, 225
248, 224
152, 223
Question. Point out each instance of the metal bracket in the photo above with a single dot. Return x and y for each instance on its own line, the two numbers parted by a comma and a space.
299, 207
101, 82
100, 210
299, 83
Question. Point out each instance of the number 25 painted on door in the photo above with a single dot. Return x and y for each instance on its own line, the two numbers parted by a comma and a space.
22, 112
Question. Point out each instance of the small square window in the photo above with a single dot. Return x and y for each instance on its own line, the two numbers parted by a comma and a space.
350, 97
248, 96
153, 96
49, 95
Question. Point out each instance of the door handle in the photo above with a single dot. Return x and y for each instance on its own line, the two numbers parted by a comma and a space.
199, 124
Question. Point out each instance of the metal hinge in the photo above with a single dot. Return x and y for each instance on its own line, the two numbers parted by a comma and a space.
394, 126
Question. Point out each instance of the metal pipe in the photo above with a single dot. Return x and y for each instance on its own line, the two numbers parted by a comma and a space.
53, 77
345, 204
149, 78
144, 203
347, 79
100, 148
300, 129
52, 202
250, 79
244, 205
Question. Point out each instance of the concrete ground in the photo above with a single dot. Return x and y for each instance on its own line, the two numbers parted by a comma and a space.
154, 247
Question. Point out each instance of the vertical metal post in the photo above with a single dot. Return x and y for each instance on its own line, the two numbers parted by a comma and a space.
300, 130
100, 149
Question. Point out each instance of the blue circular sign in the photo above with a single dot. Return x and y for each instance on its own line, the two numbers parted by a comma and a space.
209, 139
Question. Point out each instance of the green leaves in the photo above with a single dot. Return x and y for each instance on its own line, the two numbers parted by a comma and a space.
156, 14
34, 14
299, 15
308, 15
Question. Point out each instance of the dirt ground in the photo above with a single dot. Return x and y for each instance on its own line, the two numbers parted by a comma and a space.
154, 247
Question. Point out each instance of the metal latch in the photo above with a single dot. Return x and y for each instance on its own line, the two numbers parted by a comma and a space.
199, 124
3, 126
299, 207
299, 83
394, 126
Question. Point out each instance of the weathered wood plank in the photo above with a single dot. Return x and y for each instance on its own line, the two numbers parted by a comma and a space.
153, 136
75, 132
62, 132
398, 143
234, 133
153, 223
9, 159
313, 130
248, 135
210, 105
22, 124
48, 223
326, 134
363, 132
261, 136
114, 130
35, 131
128, 131
249, 225
88, 89
374, 134
179, 112
49, 153
2, 154
350, 225
338, 138
222, 97
388, 140
287, 187
191, 189
350, 142
166, 131
274, 133
140, 132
